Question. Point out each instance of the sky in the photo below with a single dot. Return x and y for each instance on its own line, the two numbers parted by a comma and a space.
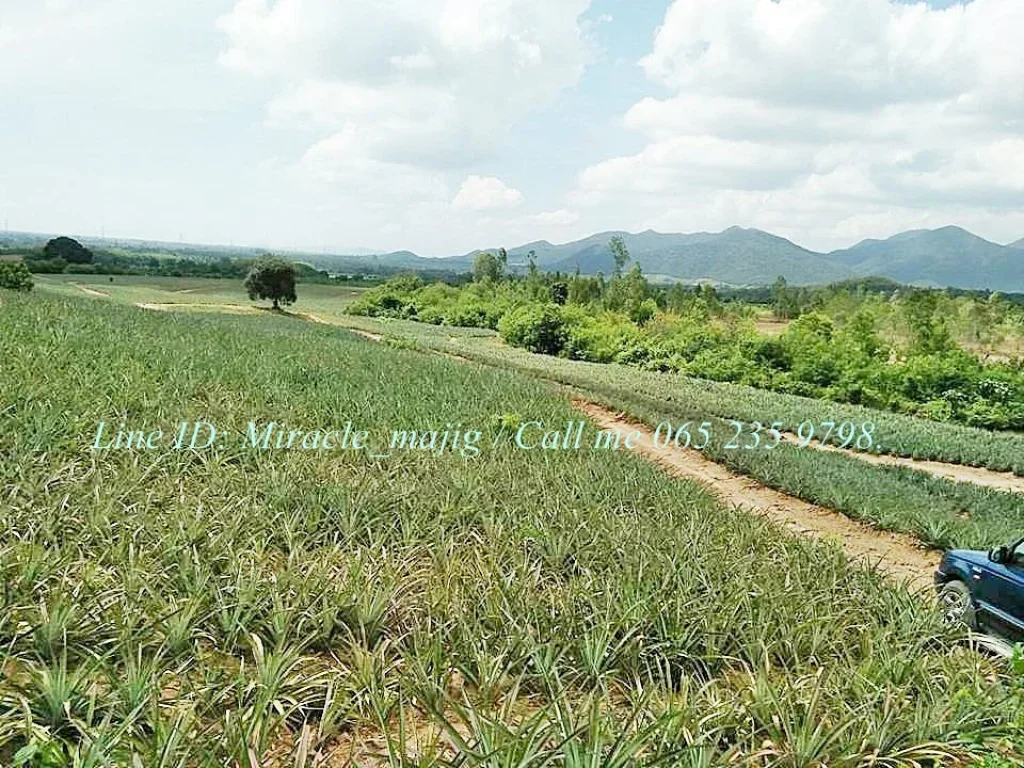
441, 126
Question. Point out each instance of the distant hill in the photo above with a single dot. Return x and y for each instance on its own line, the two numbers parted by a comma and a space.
736, 256
949, 256
1018, 244
392, 262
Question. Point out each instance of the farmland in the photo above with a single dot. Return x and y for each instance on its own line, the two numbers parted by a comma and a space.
292, 608
938, 512
187, 294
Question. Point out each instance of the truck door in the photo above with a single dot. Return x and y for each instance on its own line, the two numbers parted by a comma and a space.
999, 587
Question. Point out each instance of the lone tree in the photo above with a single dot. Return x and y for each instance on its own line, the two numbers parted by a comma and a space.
271, 278
488, 268
620, 254
72, 251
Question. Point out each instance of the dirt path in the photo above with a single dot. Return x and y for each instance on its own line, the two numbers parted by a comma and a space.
314, 318
958, 473
237, 309
91, 291
899, 555
365, 334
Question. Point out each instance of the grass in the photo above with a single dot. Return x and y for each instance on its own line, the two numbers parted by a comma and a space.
231, 607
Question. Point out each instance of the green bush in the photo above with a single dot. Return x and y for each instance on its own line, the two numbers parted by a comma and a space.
535, 327
597, 338
15, 276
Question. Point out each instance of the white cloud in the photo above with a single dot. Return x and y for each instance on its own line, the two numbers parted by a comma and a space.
58, 39
401, 98
429, 83
559, 218
486, 194
825, 118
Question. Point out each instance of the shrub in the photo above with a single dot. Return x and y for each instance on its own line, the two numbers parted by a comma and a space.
15, 276
644, 312
535, 327
46, 266
597, 339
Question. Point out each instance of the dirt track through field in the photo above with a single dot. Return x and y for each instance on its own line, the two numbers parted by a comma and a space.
91, 291
237, 309
366, 334
898, 555
958, 473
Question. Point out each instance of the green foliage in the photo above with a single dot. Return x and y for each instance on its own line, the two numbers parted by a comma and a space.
930, 334
480, 305
834, 349
71, 251
15, 276
487, 268
783, 304
46, 266
620, 254
535, 327
597, 337
273, 279
559, 293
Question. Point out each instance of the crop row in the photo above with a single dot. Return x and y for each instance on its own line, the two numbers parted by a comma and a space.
231, 607
940, 513
899, 435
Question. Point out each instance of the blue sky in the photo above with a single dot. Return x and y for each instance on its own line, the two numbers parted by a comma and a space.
446, 125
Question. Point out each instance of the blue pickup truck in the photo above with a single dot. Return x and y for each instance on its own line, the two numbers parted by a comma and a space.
984, 590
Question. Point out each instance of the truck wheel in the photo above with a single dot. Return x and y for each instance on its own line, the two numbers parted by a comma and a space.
957, 605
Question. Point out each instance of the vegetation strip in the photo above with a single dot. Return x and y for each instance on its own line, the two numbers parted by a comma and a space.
869, 342
958, 473
900, 435
899, 556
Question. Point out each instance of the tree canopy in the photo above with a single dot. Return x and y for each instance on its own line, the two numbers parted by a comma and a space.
272, 278
490, 268
72, 251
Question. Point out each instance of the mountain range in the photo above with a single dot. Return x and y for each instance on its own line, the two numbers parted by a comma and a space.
946, 257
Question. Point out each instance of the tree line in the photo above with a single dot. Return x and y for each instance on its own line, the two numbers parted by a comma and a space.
901, 349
